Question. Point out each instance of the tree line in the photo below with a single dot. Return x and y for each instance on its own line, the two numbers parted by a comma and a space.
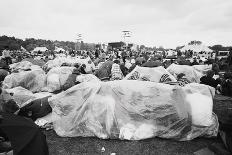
30, 43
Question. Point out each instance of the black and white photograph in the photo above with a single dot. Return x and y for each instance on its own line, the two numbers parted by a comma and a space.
115, 77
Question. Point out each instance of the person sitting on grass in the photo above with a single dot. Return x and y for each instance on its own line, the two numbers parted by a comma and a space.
116, 73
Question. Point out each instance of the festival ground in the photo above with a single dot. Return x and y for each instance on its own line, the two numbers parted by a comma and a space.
154, 146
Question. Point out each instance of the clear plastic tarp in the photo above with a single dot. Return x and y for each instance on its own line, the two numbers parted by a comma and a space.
57, 77
31, 80
57, 62
134, 110
191, 73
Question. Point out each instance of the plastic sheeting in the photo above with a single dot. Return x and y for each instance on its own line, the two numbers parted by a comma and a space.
202, 68
155, 74
32, 80
57, 62
87, 78
190, 72
134, 110
57, 77
23, 96
24, 65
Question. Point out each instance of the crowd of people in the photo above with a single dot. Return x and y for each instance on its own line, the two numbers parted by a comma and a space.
108, 65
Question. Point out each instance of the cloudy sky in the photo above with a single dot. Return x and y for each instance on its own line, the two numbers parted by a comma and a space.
167, 23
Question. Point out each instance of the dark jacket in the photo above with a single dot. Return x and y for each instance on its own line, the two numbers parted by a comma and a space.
209, 81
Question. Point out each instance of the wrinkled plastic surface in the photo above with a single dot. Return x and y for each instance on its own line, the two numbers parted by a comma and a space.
192, 74
87, 78
149, 74
24, 65
131, 110
57, 77
23, 96
31, 80
202, 68
57, 62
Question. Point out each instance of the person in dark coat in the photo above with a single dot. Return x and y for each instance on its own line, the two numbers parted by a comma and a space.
209, 80
227, 85
23, 134
3, 74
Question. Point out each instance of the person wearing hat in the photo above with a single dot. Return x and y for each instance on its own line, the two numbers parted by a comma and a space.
116, 73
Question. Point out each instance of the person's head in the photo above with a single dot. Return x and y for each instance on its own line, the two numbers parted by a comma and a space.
181, 75
117, 61
76, 65
83, 66
210, 73
7, 103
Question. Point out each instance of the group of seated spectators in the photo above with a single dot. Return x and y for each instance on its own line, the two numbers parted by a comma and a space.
114, 67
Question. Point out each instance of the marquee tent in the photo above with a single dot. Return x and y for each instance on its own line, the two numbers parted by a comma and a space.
58, 49
198, 50
41, 49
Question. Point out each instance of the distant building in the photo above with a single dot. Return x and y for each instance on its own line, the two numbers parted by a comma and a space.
222, 54
116, 45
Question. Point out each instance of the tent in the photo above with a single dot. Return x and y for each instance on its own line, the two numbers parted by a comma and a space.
198, 50
41, 49
58, 49
171, 53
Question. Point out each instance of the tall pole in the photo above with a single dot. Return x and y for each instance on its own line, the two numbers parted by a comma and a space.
79, 38
126, 34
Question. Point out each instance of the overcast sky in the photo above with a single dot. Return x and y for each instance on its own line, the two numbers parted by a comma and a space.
169, 23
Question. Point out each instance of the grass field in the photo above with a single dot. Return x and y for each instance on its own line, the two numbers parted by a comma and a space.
93, 146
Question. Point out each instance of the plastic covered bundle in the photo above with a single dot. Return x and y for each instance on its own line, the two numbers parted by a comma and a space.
24, 66
35, 62
133, 110
32, 80
57, 62
87, 78
21, 66
190, 72
57, 77
155, 74
202, 68
23, 96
